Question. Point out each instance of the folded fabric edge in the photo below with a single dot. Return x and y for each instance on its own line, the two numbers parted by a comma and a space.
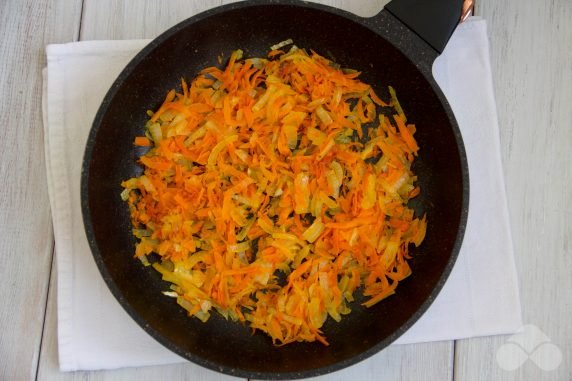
94, 48
500, 173
127, 366
59, 203
478, 28
508, 329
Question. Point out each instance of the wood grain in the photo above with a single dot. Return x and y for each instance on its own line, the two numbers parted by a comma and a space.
430, 361
26, 245
531, 54
132, 19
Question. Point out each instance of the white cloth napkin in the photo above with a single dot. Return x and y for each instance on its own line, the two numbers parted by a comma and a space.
480, 298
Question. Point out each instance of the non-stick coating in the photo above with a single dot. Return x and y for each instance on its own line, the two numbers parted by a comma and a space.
111, 158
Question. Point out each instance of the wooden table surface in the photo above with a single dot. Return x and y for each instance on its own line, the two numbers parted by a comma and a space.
531, 53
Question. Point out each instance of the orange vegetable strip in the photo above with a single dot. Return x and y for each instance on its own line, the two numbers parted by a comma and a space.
142, 141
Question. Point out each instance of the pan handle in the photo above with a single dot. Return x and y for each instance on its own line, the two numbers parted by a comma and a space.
433, 20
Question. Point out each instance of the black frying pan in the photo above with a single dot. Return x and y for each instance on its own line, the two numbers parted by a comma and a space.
388, 52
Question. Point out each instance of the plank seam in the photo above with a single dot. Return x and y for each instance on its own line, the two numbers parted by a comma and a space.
47, 298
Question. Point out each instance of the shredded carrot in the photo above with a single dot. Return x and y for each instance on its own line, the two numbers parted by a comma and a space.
142, 141
260, 200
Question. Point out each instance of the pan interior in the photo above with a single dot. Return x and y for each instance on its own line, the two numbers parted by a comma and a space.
231, 347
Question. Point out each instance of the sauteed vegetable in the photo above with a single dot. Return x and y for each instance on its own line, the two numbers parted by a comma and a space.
275, 188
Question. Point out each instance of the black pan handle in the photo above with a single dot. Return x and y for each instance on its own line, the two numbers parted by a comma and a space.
432, 20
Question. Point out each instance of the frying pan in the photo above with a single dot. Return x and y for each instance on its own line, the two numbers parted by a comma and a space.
396, 47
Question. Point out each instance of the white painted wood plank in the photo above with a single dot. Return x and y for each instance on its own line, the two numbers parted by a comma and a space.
115, 19
110, 19
531, 52
132, 19
26, 243
428, 361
